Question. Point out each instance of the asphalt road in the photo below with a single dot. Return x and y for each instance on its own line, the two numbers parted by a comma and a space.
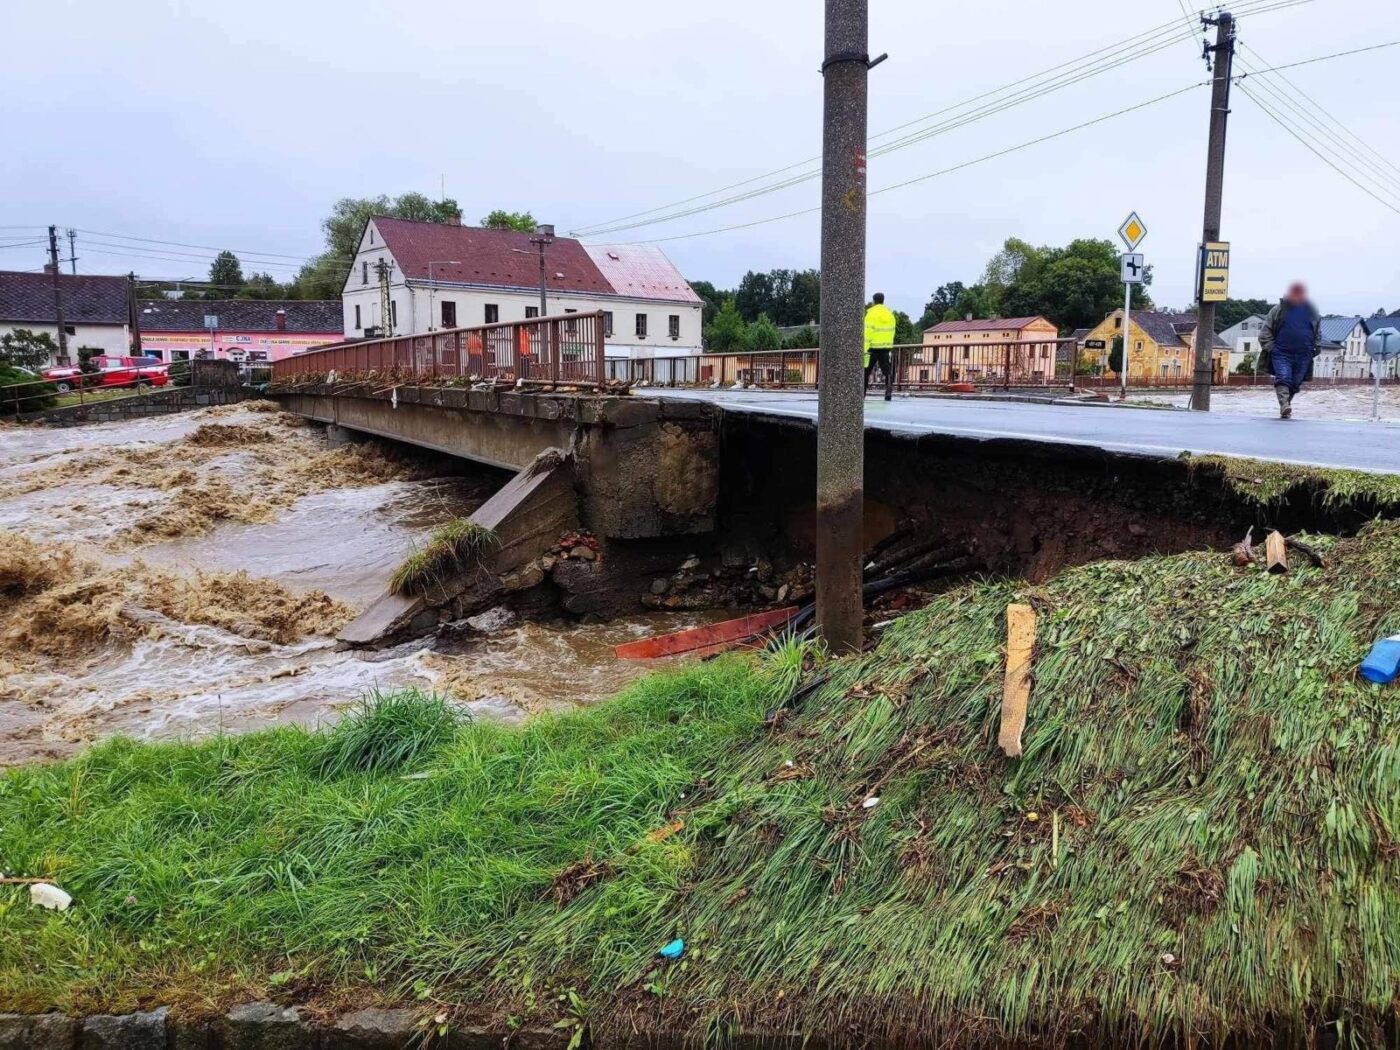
1373, 447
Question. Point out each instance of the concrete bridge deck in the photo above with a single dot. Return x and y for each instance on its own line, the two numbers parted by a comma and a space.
1371, 447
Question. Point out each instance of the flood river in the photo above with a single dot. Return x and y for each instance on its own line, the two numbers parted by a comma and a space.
223, 490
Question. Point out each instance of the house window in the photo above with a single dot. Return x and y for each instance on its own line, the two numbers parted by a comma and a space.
1139, 344
393, 313
607, 322
371, 235
493, 313
357, 317
967, 352
449, 314
364, 272
674, 324
641, 326
531, 311
1118, 322
571, 325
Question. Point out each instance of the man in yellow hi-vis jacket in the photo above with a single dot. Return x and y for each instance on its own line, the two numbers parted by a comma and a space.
879, 337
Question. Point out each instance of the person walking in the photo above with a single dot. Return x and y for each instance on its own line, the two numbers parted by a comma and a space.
879, 337
1292, 336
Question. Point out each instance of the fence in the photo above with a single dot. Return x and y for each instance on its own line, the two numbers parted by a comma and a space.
562, 349
1111, 384
920, 366
38, 394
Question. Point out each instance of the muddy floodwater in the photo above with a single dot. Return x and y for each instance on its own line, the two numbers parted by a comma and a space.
181, 576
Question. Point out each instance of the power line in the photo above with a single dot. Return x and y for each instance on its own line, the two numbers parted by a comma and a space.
943, 171
1366, 164
1281, 122
1093, 64
181, 244
21, 244
1324, 58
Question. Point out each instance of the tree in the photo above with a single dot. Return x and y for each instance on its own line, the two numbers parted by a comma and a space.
498, 219
971, 302
226, 274
726, 333
763, 334
712, 297
944, 299
263, 286
904, 332
1115, 355
755, 295
324, 276
24, 348
1246, 365
805, 338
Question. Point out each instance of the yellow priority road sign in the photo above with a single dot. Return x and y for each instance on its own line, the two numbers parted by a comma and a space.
1215, 272
1132, 231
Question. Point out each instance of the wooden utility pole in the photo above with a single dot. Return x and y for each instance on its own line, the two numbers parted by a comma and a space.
1224, 64
56, 276
841, 380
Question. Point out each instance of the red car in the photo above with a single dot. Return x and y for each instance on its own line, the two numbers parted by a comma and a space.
111, 371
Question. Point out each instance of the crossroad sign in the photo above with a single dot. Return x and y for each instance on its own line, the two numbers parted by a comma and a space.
1132, 231
1215, 272
1133, 267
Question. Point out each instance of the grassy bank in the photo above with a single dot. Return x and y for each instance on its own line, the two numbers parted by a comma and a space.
1200, 838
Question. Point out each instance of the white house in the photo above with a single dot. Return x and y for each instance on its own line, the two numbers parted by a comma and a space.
1343, 353
1242, 339
445, 275
95, 310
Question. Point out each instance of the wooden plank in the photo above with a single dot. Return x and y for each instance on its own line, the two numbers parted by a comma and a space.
1016, 693
712, 638
1276, 552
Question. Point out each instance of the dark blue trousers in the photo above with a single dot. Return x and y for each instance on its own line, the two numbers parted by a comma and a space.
1291, 368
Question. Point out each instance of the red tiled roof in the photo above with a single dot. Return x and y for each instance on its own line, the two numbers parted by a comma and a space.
488, 256
1014, 324
641, 272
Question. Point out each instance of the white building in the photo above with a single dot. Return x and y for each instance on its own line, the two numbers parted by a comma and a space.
1343, 354
95, 310
444, 275
1242, 339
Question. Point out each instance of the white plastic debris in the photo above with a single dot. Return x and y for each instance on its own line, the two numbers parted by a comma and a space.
48, 896
871, 802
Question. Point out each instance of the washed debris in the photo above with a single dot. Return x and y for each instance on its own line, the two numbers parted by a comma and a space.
1020, 644
1276, 553
1382, 663
708, 639
47, 895
674, 950
1243, 552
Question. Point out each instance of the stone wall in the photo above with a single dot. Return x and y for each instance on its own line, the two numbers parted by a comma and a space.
137, 406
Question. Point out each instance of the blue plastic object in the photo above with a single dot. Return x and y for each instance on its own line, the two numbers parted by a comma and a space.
674, 950
1382, 663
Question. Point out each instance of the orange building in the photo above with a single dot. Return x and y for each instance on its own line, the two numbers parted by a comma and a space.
982, 351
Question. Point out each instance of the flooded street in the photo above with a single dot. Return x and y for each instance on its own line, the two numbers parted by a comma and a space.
185, 575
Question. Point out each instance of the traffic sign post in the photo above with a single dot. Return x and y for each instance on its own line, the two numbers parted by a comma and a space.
1131, 232
1383, 345
1215, 272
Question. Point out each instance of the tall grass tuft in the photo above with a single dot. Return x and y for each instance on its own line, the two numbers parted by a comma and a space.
387, 732
455, 547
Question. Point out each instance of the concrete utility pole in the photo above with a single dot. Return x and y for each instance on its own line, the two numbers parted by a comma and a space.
1224, 64
841, 381
73, 250
57, 295
543, 238
133, 309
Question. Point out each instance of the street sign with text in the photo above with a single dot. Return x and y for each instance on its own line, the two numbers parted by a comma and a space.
1215, 272
1132, 231
1133, 267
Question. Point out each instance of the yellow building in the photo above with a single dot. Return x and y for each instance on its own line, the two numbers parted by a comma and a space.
1160, 346
988, 350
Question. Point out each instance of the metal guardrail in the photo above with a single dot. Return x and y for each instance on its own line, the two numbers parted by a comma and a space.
37, 395
562, 349
919, 366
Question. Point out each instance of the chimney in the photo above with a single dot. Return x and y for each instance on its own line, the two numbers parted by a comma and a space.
48, 268
281, 320
455, 220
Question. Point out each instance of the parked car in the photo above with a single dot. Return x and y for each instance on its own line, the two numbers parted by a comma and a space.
111, 371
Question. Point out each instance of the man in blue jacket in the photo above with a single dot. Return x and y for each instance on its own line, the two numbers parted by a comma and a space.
1292, 337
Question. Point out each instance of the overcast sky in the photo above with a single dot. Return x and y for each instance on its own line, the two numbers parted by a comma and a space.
239, 124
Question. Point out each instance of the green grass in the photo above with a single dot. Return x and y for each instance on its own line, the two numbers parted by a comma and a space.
1202, 837
453, 548
1275, 484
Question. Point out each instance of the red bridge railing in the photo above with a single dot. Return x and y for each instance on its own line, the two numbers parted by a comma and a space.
563, 349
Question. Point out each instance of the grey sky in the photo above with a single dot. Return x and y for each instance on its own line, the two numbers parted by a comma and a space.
239, 124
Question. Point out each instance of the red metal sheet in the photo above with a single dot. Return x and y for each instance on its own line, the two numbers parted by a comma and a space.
711, 638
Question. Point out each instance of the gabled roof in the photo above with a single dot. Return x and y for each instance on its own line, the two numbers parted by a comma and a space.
502, 258
1171, 329
1336, 328
318, 316
640, 272
1001, 324
87, 299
